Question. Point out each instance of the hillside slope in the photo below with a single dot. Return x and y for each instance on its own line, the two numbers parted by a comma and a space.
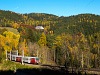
85, 23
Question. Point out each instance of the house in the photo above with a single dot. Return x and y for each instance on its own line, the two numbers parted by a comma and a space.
39, 27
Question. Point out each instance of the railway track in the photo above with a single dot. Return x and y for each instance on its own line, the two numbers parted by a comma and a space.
63, 68
51, 67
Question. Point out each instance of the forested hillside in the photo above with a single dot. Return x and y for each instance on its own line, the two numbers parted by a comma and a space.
85, 23
72, 41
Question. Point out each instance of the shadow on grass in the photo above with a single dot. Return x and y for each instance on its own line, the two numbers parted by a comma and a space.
8, 72
37, 72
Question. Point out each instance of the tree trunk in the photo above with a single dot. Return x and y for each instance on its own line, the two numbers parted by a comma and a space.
82, 61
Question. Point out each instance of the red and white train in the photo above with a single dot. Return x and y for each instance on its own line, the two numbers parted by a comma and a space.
23, 59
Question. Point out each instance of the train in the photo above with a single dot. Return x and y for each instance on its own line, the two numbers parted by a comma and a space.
23, 59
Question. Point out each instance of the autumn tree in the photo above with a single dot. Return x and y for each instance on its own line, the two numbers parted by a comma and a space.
11, 40
2, 43
57, 49
42, 41
23, 47
33, 49
94, 40
15, 25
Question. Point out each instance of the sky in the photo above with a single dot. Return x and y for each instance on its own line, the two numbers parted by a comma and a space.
55, 7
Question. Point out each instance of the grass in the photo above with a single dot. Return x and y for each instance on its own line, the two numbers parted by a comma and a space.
10, 65
10, 29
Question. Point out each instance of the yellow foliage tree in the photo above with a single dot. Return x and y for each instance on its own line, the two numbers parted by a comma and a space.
15, 25
42, 41
58, 41
11, 40
2, 41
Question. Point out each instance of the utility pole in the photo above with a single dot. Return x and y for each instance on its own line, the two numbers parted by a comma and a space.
6, 55
22, 56
10, 55
17, 52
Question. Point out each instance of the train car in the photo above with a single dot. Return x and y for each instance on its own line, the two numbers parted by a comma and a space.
13, 57
31, 60
25, 59
18, 58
